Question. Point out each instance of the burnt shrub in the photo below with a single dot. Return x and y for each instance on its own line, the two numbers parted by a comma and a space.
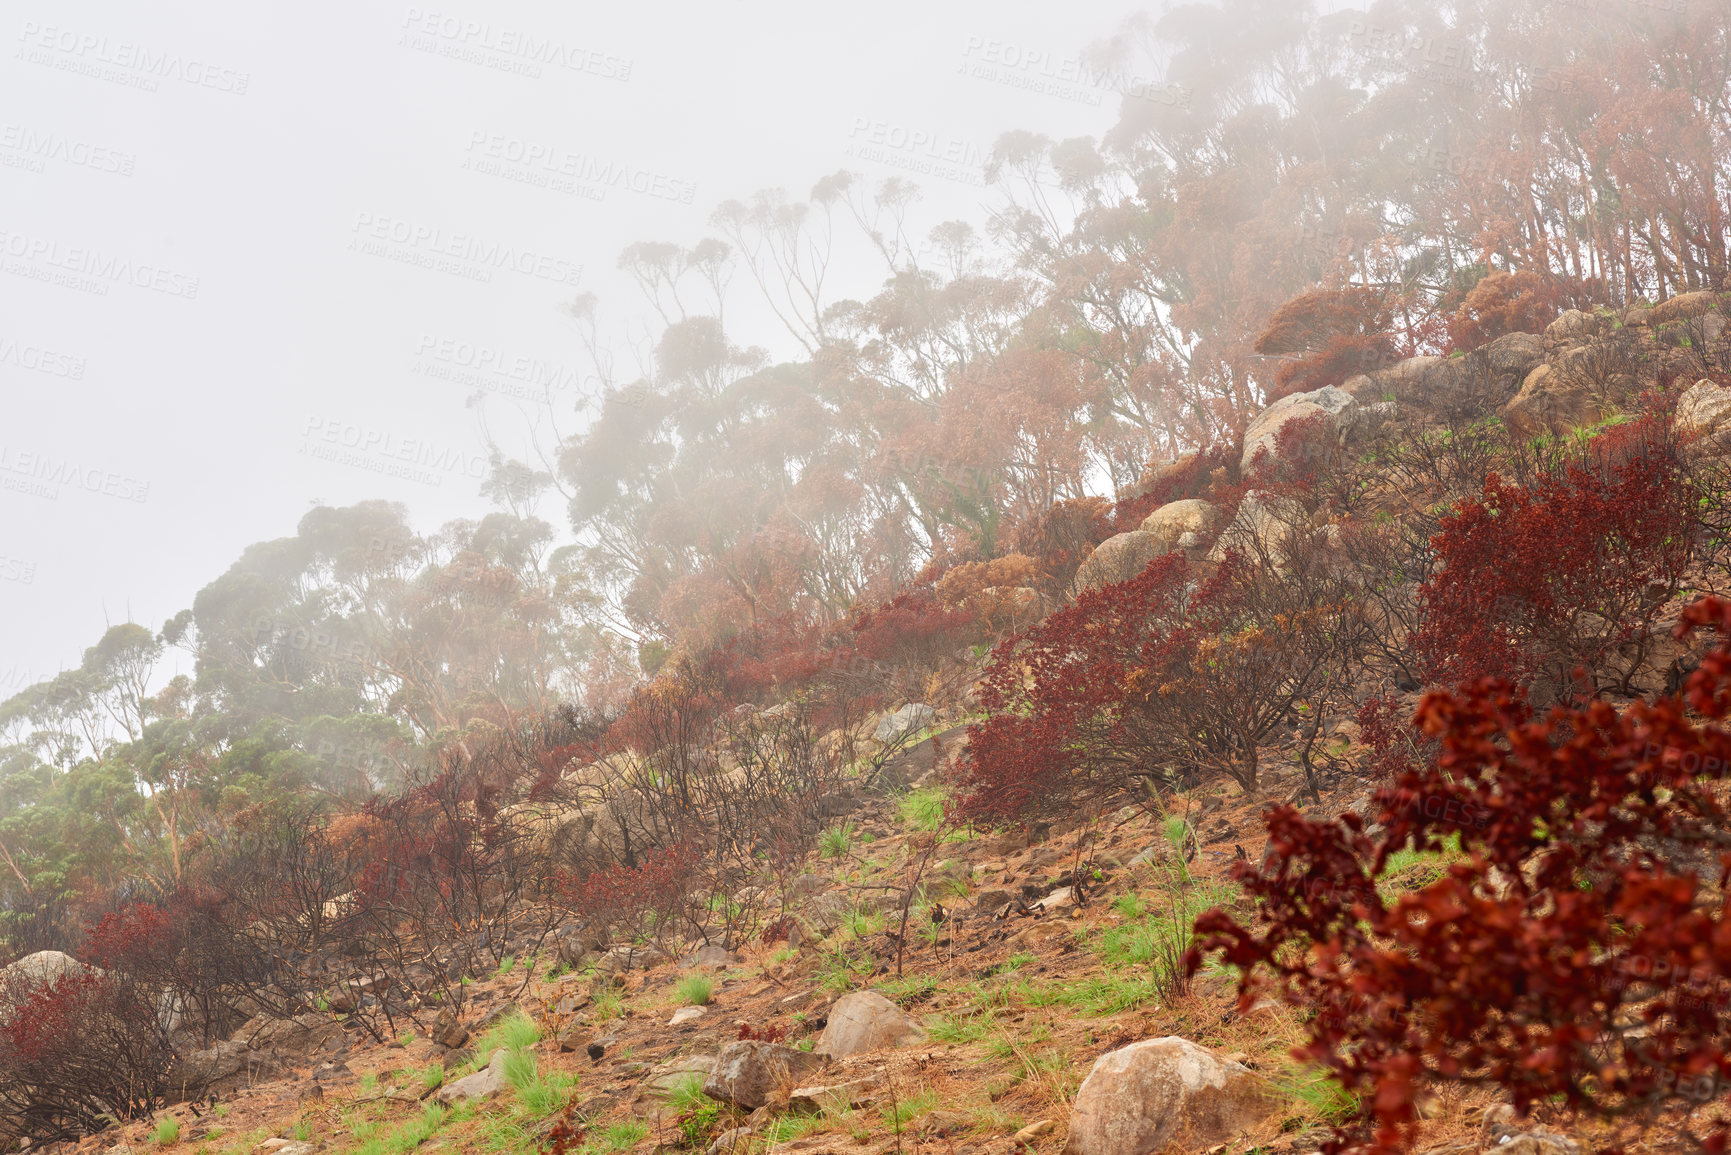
75, 1053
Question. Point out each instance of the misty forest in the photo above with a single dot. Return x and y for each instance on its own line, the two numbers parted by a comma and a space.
1228, 651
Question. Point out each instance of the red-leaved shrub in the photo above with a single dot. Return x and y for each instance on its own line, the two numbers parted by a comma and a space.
1567, 572
646, 899
1576, 949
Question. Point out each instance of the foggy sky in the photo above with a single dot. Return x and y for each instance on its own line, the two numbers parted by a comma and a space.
254, 257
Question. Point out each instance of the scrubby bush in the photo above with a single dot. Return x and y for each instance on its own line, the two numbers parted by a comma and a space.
1172, 676
648, 900
194, 951
1577, 950
1505, 302
1566, 573
76, 1053
1326, 336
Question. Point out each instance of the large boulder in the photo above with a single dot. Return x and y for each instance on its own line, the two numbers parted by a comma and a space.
1118, 559
913, 717
43, 967
749, 1074
36, 970
1704, 408
1475, 382
1263, 525
1405, 382
1176, 518
1682, 306
1574, 325
866, 1021
1336, 409
1159, 1093
1551, 400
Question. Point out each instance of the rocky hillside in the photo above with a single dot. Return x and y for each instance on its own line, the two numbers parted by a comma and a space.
773, 912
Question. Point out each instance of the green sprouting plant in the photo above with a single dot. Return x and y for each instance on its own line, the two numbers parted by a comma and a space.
546, 1094
696, 1111
836, 841
432, 1077
898, 1114
1323, 1097
861, 924
1130, 905
695, 990
785, 1128
961, 1029
620, 1137
840, 969
515, 1032
505, 966
301, 1132
922, 809
607, 1003
167, 1132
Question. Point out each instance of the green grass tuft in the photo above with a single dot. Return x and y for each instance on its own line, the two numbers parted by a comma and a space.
696, 990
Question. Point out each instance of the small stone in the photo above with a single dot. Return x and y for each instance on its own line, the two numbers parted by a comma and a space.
686, 1015
283, 1147
1034, 1131
479, 1087
946, 1123
853, 1093
728, 1140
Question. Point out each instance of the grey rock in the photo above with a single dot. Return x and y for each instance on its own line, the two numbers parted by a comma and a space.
910, 718
750, 1074
479, 1087
1118, 559
866, 1021
1337, 408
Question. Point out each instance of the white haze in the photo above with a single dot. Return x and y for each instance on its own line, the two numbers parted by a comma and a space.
150, 429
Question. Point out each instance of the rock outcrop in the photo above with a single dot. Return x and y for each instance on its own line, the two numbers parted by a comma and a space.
1118, 559
1337, 409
